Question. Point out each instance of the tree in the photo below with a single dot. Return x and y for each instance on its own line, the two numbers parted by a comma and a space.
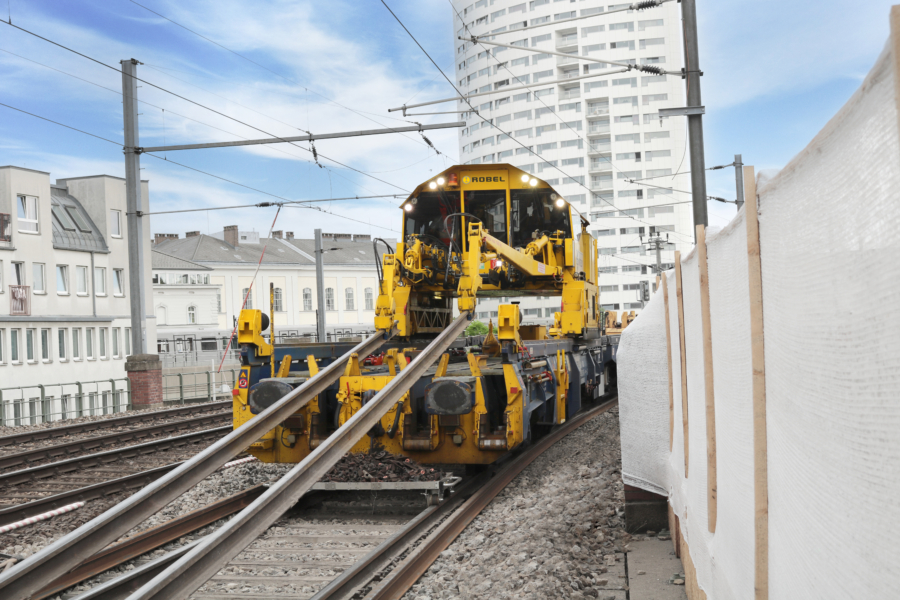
476, 328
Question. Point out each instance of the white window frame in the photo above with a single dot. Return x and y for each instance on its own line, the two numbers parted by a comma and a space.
349, 299
329, 300
46, 345
278, 300
2, 347
307, 299
119, 282
20, 207
128, 341
116, 342
62, 270
79, 270
192, 315
89, 344
30, 343
246, 293
18, 267
100, 280
76, 344
39, 268
15, 346
369, 299
62, 349
103, 340
115, 223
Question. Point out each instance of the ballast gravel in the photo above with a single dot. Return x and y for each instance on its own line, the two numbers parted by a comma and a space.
546, 535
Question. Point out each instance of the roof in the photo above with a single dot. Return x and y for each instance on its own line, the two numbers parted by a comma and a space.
73, 228
348, 252
206, 249
162, 261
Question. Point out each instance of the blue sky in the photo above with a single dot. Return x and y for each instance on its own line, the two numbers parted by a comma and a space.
775, 72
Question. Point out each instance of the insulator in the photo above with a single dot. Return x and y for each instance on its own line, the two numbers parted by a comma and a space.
652, 69
646, 4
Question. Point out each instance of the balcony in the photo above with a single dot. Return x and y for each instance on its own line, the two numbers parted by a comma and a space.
569, 60
570, 95
5, 231
19, 301
567, 40
601, 164
598, 129
597, 112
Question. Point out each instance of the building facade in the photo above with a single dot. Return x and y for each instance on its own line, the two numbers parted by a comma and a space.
200, 282
596, 139
64, 291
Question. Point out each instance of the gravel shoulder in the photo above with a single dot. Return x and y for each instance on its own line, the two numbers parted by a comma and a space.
547, 535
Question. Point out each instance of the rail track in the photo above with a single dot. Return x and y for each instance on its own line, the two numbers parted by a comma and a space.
185, 573
314, 556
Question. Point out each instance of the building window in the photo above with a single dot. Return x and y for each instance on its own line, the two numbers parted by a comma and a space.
37, 270
29, 345
115, 342
14, 337
89, 343
104, 337
279, 303
62, 279
348, 299
248, 302
76, 343
81, 274
329, 298
128, 341
370, 299
307, 299
100, 281
61, 343
118, 282
28, 214
2, 345
115, 223
161, 315
219, 301
192, 315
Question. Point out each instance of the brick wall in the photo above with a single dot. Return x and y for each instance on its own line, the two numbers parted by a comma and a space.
145, 375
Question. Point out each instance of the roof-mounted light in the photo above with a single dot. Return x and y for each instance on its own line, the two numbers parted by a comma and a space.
533, 182
433, 185
525, 178
440, 181
407, 207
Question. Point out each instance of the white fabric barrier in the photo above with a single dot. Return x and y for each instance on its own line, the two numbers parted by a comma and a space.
830, 261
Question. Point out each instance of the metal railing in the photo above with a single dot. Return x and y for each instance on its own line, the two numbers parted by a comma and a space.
568, 40
597, 112
5, 231
570, 95
30, 405
596, 130
200, 358
19, 300
198, 386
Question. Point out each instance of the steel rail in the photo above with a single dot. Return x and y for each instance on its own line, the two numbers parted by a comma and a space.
27, 577
101, 458
49, 432
153, 538
354, 578
192, 570
402, 578
17, 512
56, 450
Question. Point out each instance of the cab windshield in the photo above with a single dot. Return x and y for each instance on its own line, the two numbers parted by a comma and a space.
533, 212
428, 217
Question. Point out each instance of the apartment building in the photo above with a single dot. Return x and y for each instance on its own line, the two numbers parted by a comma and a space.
597, 139
64, 295
200, 281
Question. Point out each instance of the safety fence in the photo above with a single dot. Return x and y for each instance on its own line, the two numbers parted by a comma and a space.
758, 390
30, 405
198, 386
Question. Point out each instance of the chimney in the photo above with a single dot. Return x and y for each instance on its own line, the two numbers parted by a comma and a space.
191, 234
338, 236
289, 235
362, 238
277, 234
161, 237
231, 235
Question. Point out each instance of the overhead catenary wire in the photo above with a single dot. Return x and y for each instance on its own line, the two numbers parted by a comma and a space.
261, 66
186, 99
465, 99
267, 204
284, 200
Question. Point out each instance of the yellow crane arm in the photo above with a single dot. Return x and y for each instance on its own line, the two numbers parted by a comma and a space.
524, 262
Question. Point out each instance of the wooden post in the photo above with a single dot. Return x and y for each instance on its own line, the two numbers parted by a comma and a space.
684, 388
758, 360
895, 49
708, 380
665, 287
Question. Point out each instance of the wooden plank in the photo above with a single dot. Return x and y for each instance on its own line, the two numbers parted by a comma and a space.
758, 361
895, 49
691, 586
684, 388
711, 478
665, 287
